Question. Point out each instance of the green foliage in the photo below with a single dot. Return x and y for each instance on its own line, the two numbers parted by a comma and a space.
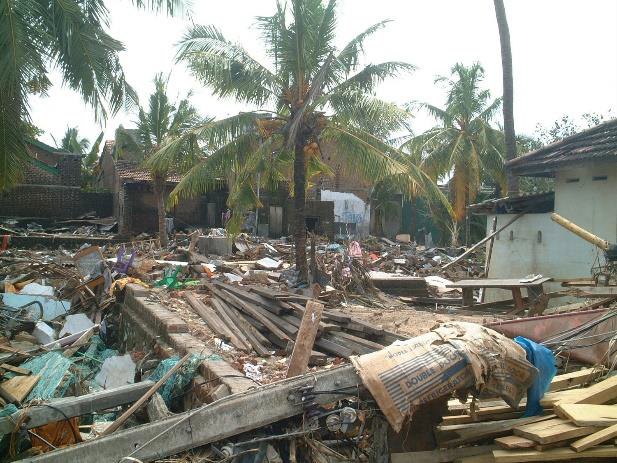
463, 148
69, 36
312, 93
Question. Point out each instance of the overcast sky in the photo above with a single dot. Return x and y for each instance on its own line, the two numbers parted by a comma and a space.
564, 55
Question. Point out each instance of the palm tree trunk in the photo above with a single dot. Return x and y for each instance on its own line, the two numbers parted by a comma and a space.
299, 231
508, 93
414, 219
159, 194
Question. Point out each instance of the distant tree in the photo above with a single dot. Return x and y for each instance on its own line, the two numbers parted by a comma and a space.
69, 36
464, 148
72, 142
163, 121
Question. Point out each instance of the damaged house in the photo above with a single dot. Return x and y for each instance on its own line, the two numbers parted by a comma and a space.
585, 171
134, 203
51, 188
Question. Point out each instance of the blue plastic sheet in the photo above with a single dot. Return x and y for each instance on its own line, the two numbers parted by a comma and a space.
544, 360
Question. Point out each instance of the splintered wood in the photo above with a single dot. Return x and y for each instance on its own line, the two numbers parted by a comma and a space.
265, 321
579, 423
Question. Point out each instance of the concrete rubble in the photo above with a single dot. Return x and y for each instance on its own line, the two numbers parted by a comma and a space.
109, 350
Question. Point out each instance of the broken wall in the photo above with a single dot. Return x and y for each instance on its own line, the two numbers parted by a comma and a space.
349, 210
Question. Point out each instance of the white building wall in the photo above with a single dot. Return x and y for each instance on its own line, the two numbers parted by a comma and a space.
348, 208
559, 254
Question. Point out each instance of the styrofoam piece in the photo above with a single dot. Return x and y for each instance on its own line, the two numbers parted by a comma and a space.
116, 371
75, 323
35, 289
44, 333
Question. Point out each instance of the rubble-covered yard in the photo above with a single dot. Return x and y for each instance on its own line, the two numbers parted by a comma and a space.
211, 349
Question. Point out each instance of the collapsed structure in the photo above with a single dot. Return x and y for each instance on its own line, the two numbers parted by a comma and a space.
116, 349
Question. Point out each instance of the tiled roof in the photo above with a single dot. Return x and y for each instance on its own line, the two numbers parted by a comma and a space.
598, 143
128, 170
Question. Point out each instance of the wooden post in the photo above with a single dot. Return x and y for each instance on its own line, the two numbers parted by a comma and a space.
482, 241
489, 253
305, 339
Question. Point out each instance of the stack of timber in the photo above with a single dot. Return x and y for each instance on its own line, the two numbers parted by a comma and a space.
256, 318
579, 423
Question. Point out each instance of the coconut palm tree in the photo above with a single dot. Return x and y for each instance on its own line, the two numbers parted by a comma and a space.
311, 93
73, 143
161, 121
508, 92
69, 36
464, 146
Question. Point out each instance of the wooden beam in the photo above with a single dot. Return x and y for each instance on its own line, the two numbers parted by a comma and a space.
576, 378
595, 439
74, 406
600, 393
588, 415
518, 456
484, 240
298, 364
554, 430
222, 419
208, 315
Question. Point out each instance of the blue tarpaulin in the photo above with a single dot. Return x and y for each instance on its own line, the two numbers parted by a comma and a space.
544, 360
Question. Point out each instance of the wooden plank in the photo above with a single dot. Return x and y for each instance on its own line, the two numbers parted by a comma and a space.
595, 439
284, 325
553, 430
16, 370
600, 393
74, 406
237, 337
576, 378
245, 329
514, 442
133, 408
253, 298
81, 341
249, 310
518, 456
588, 415
209, 316
476, 431
551, 398
356, 348
463, 419
359, 340
19, 387
333, 348
441, 455
211, 423
298, 364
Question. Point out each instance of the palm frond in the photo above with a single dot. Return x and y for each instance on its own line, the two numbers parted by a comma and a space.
171, 7
226, 67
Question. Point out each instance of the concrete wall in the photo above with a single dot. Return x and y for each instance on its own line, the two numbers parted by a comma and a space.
558, 253
350, 209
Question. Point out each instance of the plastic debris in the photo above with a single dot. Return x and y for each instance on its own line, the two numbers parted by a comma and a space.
116, 371
75, 324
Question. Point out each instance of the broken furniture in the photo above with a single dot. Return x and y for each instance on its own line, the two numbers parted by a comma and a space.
534, 289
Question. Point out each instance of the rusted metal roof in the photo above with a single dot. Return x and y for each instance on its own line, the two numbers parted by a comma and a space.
132, 172
598, 143
534, 203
